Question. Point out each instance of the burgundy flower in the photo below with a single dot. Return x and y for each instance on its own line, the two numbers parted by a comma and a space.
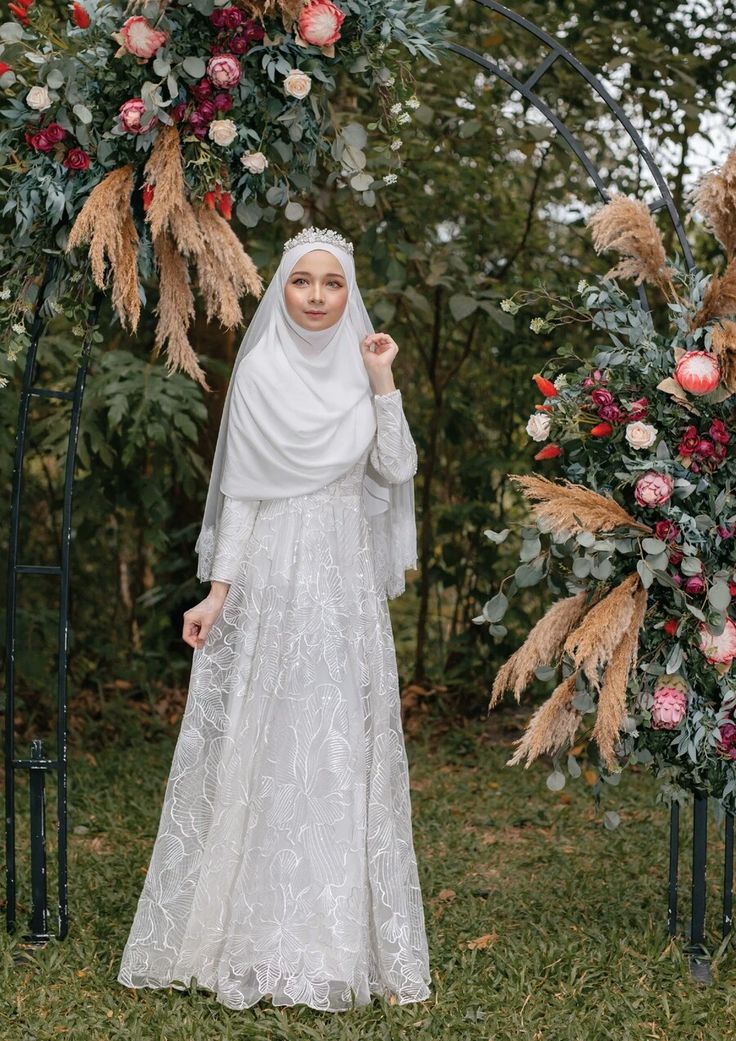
253, 30
689, 441
239, 44
76, 159
725, 531
705, 448
203, 89
232, 18
601, 397
611, 413
178, 111
207, 109
55, 132
718, 432
40, 141
676, 556
667, 530
695, 585
727, 740
639, 409
676, 578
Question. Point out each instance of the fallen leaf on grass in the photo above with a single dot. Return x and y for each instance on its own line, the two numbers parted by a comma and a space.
481, 942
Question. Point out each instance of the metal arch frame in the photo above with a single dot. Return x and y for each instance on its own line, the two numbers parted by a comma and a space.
38, 765
696, 950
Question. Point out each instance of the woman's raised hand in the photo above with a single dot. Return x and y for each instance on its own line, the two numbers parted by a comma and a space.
379, 351
198, 620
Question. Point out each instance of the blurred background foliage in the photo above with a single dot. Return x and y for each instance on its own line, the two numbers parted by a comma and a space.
489, 200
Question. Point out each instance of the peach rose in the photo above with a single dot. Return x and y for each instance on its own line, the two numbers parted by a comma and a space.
297, 84
254, 162
222, 131
38, 98
641, 435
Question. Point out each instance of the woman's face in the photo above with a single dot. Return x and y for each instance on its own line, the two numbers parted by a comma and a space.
316, 290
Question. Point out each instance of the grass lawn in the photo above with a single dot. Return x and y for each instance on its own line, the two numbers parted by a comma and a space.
543, 925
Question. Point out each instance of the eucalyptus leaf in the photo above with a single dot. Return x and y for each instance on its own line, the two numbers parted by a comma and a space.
611, 820
530, 548
495, 608
556, 781
719, 596
194, 67
573, 766
497, 536
645, 573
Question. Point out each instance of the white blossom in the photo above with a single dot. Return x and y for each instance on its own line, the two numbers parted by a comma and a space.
396, 143
404, 118
390, 178
538, 426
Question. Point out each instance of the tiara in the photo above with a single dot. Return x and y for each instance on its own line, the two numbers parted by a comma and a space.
319, 235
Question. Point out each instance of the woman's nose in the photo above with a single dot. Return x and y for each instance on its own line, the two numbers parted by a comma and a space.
316, 293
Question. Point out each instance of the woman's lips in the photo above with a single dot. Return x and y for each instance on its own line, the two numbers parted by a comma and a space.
316, 314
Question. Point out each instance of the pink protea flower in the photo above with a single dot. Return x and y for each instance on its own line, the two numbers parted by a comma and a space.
669, 708
653, 489
319, 23
223, 71
139, 37
721, 649
698, 372
129, 116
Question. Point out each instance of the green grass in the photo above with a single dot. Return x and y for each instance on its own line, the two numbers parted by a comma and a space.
542, 924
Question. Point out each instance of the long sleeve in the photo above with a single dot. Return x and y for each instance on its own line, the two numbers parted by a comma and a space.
394, 453
236, 523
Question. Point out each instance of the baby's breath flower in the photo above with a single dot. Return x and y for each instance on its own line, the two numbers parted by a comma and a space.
390, 81
75, 276
508, 306
582, 284
18, 327
390, 178
12, 353
404, 118
395, 108
4, 294
396, 143
78, 330
537, 325
3, 381
412, 102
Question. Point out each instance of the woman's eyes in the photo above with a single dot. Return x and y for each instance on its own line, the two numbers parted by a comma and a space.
332, 282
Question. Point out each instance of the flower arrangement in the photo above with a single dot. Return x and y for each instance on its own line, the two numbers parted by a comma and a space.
227, 104
636, 542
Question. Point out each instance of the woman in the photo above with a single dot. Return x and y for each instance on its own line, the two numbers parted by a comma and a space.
284, 864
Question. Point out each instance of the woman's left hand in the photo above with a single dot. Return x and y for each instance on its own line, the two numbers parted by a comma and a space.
379, 351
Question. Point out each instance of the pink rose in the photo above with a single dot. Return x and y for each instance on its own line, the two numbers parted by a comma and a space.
140, 38
224, 71
130, 113
721, 649
670, 706
653, 489
695, 585
319, 23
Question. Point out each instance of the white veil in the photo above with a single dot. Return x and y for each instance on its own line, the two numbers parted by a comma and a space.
300, 413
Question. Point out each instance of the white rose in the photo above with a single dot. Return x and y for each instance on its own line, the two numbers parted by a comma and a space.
297, 84
222, 131
538, 426
38, 98
254, 162
641, 435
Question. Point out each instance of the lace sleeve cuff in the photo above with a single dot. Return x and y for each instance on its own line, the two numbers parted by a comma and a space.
236, 523
394, 453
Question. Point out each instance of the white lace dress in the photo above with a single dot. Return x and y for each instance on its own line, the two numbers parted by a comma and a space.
284, 863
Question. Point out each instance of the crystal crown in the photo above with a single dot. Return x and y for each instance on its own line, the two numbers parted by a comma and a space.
319, 235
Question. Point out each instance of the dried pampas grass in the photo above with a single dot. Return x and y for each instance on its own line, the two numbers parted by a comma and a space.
541, 647
627, 226
723, 341
612, 698
106, 223
570, 508
224, 269
719, 299
552, 727
175, 311
714, 196
261, 9
595, 640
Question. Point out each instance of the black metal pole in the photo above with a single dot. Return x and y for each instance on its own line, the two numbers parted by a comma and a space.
728, 877
674, 857
39, 913
697, 952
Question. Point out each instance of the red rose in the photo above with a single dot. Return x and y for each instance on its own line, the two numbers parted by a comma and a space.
41, 142
76, 159
601, 397
689, 441
718, 432
611, 413
55, 132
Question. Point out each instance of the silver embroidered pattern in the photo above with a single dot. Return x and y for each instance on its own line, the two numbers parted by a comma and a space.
319, 235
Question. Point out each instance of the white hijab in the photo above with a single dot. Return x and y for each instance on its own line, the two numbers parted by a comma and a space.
298, 414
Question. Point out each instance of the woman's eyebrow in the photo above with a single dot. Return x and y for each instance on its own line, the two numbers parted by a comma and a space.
330, 274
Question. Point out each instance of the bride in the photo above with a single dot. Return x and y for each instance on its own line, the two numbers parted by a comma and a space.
284, 864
